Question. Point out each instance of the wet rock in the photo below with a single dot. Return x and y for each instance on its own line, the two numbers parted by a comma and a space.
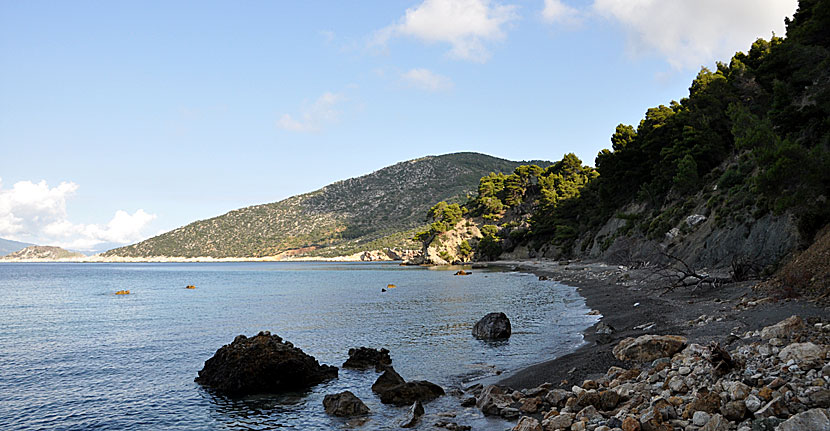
393, 389
815, 419
262, 364
493, 326
806, 355
412, 416
344, 404
783, 329
363, 358
648, 347
468, 402
527, 423
389, 379
410, 392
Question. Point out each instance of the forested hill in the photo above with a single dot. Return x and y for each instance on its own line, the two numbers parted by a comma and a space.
735, 174
381, 209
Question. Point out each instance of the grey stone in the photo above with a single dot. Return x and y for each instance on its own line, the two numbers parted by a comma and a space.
814, 420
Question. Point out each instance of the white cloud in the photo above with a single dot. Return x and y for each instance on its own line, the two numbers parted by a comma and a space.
35, 212
464, 24
312, 118
691, 33
556, 11
427, 80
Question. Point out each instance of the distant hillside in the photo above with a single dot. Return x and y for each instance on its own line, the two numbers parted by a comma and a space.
43, 252
8, 246
381, 209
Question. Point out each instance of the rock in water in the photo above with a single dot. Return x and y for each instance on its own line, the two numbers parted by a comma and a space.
648, 347
393, 389
494, 326
388, 380
364, 357
262, 364
413, 415
344, 404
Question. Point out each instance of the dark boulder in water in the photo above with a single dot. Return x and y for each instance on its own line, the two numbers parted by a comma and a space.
364, 357
262, 364
393, 389
494, 326
344, 404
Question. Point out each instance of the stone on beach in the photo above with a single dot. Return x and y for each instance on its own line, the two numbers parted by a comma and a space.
344, 404
262, 364
493, 326
648, 347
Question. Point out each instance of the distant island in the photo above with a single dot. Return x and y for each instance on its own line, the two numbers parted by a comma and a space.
41, 252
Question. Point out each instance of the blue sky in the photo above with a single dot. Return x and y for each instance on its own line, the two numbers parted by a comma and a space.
122, 120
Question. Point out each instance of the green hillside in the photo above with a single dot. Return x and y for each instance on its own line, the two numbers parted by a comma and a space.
381, 209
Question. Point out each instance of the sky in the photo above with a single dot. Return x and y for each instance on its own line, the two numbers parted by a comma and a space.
122, 120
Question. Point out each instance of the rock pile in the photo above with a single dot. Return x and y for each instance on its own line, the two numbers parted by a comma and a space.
262, 364
777, 379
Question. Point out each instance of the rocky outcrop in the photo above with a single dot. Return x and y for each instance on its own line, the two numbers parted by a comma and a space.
648, 347
393, 389
493, 326
262, 364
40, 252
344, 404
363, 358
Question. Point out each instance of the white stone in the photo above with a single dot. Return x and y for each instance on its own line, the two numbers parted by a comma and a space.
700, 418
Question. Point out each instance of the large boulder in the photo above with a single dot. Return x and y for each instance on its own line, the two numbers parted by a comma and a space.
815, 419
388, 380
783, 329
363, 358
494, 326
344, 404
648, 347
393, 389
262, 364
409, 392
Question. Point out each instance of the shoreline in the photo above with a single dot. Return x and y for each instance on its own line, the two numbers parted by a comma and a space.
630, 303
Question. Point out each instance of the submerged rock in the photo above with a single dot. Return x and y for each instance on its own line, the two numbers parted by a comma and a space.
262, 364
494, 326
364, 357
344, 404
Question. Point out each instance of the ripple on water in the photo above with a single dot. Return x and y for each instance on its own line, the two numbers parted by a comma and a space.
75, 356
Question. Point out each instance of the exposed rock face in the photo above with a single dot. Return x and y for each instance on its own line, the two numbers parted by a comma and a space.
364, 357
649, 347
344, 404
494, 326
393, 389
262, 364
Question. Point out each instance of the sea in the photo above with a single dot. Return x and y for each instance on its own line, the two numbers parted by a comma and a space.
75, 356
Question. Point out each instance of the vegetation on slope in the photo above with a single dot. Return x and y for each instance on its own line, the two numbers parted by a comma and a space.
381, 209
751, 139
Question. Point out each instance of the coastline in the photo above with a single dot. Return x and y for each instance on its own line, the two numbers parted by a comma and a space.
703, 315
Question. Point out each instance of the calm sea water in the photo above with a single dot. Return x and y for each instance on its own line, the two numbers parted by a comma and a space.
74, 356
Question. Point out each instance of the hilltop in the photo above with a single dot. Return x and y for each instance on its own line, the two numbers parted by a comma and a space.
42, 252
379, 210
